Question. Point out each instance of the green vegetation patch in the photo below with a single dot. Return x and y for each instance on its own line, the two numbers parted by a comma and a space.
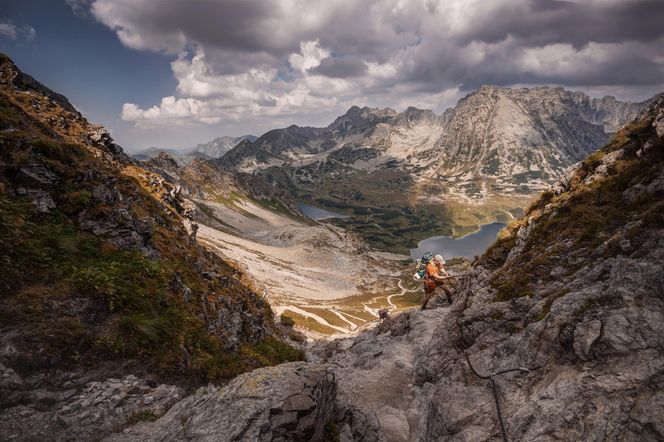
78, 299
327, 315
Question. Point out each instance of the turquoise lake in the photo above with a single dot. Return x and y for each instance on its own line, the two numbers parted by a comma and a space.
467, 246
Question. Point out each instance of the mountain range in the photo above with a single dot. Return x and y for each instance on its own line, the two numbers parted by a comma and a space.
495, 141
210, 150
555, 333
405, 176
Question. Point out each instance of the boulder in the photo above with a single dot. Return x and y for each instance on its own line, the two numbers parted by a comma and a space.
289, 402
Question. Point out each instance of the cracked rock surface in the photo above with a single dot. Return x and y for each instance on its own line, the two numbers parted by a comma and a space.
65, 406
289, 402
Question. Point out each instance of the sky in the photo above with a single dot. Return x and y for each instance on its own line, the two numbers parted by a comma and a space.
173, 73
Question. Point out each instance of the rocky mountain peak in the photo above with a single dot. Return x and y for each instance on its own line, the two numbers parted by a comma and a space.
525, 138
219, 146
414, 116
357, 118
489, 88
11, 76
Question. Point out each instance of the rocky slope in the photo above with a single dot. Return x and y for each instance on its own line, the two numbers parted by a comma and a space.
556, 336
102, 278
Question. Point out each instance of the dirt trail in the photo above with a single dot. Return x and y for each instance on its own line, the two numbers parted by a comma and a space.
343, 318
282, 308
403, 292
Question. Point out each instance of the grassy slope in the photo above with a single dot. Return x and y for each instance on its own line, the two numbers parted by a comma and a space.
73, 299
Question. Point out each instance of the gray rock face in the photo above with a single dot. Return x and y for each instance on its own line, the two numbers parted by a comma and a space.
524, 139
658, 122
585, 335
290, 402
78, 408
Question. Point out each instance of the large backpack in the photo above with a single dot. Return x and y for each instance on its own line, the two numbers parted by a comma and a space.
421, 266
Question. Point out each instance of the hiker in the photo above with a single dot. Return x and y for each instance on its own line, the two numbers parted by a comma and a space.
383, 314
436, 276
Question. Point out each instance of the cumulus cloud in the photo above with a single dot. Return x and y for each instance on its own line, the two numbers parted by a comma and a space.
244, 59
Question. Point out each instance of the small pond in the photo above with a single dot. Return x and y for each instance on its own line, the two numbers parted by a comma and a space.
314, 212
467, 246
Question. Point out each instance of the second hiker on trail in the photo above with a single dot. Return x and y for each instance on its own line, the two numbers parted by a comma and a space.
436, 276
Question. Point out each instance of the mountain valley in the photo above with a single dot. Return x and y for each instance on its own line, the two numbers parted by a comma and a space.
171, 299
325, 278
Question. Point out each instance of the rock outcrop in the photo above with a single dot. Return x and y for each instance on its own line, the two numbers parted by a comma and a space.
290, 402
65, 406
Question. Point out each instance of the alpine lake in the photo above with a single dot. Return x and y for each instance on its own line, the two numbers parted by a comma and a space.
467, 246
